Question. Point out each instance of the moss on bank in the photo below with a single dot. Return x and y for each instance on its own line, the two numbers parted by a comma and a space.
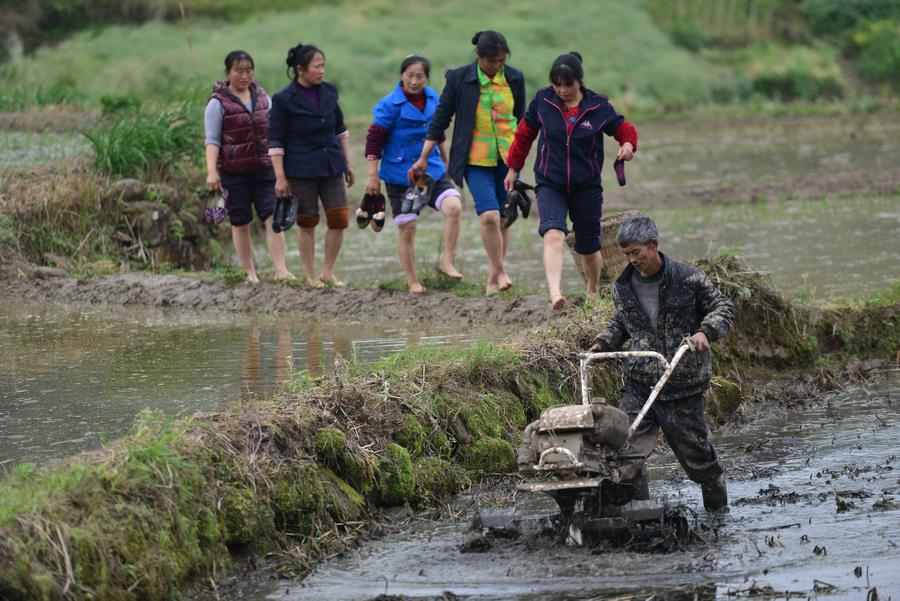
175, 499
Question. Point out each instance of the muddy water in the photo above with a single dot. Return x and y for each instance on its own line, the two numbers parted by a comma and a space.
784, 532
23, 149
72, 377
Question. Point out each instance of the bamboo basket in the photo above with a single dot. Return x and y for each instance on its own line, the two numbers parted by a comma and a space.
613, 259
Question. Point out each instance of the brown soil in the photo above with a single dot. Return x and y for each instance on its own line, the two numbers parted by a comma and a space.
818, 186
58, 118
180, 292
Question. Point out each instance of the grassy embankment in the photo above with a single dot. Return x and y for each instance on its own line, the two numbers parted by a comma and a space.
176, 499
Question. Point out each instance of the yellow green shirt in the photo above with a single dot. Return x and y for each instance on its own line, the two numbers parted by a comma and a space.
495, 124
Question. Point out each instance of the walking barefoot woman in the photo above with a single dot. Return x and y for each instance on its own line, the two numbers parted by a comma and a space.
310, 150
487, 98
395, 139
236, 161
571, 120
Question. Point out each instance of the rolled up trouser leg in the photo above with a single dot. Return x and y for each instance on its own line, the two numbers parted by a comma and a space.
337, 218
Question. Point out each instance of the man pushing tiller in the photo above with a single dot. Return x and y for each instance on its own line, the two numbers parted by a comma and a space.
659, 302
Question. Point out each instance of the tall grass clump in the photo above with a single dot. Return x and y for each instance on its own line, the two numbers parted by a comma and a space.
795, 73
18, 97
838, 16
877, 47
694, 24
866, 30
63, 212
134, 143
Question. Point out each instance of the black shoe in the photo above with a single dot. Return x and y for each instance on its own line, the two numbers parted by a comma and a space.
510, 211
715, 494
619, 168
285, 213
523, 197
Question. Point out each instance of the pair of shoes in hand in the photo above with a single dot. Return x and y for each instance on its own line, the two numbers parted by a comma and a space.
518, 199
371, 210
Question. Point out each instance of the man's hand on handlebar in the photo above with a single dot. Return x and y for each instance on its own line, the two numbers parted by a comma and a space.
699, 342
599, 347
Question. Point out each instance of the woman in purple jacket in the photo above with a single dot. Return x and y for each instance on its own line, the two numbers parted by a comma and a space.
571, 120
237, 162
310, 149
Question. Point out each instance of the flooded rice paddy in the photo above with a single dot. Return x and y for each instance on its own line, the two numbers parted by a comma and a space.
815, 494
73, 377
25, 149
824, 249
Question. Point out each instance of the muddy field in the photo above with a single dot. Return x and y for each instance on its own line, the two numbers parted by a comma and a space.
814, 499
179, 292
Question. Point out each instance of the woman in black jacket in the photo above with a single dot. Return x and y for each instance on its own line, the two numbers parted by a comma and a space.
310, 150
487, 98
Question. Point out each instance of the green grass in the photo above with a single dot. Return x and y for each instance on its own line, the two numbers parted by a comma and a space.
626, 56
134, 143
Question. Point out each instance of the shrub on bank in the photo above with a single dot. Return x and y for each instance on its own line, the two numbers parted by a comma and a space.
795, 73
839, 16
877, 45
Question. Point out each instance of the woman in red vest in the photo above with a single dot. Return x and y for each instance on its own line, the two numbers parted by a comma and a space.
238, 163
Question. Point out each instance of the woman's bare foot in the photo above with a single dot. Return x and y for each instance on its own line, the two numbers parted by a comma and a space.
252, 278
315, 283
450, 271
330, 280
284, 276
416, 288
492, 286
558, 303
503, 281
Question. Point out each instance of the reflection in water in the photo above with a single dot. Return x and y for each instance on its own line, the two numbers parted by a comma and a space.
71, 378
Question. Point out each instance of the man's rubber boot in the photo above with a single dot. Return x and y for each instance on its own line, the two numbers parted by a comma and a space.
715, 495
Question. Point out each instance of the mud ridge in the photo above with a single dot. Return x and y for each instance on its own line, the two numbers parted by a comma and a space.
180, 292
818, 186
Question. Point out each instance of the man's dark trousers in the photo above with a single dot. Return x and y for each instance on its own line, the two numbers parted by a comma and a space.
684, 426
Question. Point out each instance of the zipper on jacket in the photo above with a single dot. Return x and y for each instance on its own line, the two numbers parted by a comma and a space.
569, 138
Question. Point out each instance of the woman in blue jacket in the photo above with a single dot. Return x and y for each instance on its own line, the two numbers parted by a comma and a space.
310, 150
571, 120
487, 98
395, 139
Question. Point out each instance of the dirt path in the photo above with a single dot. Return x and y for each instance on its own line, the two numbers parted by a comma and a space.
179, 292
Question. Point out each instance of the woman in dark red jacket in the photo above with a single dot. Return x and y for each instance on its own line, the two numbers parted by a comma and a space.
571, 120
237, 160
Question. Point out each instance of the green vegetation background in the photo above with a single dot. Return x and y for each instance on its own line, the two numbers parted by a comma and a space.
651, 57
